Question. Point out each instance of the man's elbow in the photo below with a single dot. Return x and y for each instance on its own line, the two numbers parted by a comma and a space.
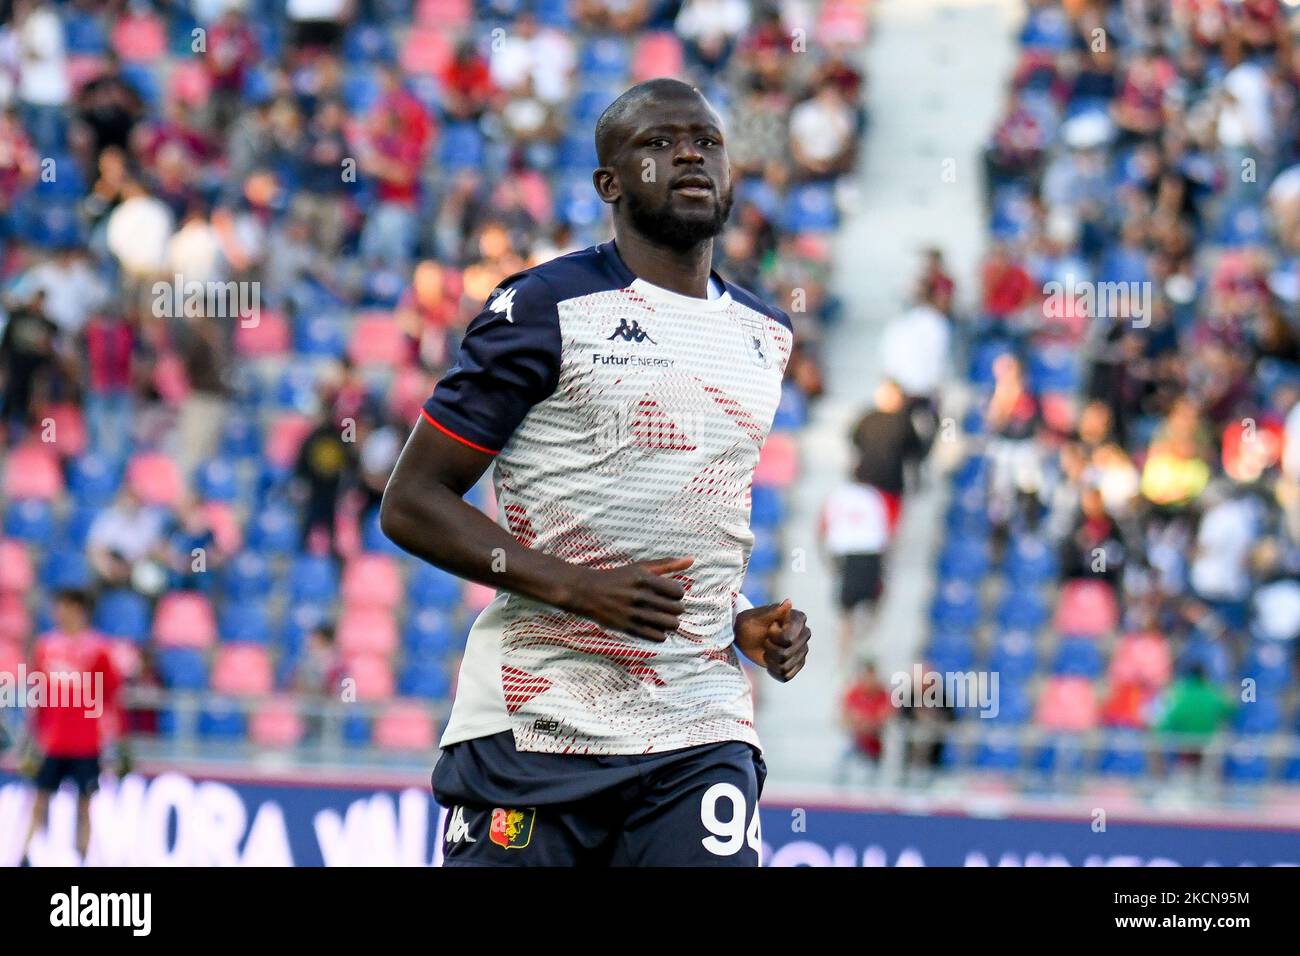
393, 521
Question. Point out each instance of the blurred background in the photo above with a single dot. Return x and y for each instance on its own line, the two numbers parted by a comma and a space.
1035, 476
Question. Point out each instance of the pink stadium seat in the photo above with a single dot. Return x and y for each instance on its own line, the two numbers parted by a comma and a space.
276, 724
139, 37
243, 670
371, 580
1142, 658
373, 676
225, 526
658, 54
1067, 703
11, 657
378, 340
155, 478
1086, 609
367, 630
347, 534
16, 573
15, 621
443, 14
68, 429
842, 23
286, 437
405, 726
184, 619
778, 461
426, 52
478, 596
268, 337
33, 472
190, 83
82, 68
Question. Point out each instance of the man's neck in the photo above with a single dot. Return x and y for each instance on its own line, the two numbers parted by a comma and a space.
682, 271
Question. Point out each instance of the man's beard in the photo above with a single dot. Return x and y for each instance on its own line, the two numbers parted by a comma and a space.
662, 225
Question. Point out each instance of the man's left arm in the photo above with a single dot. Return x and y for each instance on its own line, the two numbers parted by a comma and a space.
775, 637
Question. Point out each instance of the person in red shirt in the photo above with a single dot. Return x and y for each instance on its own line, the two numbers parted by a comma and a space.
865, 709
78, 712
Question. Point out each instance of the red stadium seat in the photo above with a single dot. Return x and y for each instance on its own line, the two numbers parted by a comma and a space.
139, 37
15, 620
285, 438
155, 478
427, 51
243, 670
371, 580
658, 54
276, 724
410, 388
405, 726
372, 676
33, 472
1143, 658
378, 340
184, 619
68, 429
189, 83
778, 461
269, 337
225, 526
16, 573
11, 657
1086, 609
367, 630
442, 14
1067, 703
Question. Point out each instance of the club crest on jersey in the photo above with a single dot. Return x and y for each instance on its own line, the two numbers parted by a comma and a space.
504, 302
512, 829
630, 333
760, 349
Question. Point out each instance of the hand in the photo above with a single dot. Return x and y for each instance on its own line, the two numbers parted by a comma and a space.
774, 636
637, 599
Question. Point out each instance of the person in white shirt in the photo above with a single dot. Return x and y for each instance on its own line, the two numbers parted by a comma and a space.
914, 352
854, 529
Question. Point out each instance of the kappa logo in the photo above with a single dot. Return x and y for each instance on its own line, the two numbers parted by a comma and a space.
504, 302
630, 333
458, 827
512, 829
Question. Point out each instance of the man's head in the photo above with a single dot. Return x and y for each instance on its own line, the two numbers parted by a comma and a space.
72, 611
663, 163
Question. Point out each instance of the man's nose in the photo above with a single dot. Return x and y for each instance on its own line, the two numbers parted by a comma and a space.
688, 152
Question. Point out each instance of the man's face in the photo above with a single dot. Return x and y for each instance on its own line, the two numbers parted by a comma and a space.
673, 174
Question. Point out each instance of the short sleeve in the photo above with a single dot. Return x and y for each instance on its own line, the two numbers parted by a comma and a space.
509, 361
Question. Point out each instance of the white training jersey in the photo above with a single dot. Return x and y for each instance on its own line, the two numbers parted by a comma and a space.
627, 421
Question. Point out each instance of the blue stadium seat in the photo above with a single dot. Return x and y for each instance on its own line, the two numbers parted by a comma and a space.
1245, 763
604, 59
1000, 751
65, 183
1031, 562
299, 620
240, 436
360, 89
84, 34
122, 613
433, 587
1124, 755
216, 480
247, 576
792, 410
30, 520
956, 606
313, 577
964, 559
142, 78
765, 558
810, 208
767, 507
1078, 657
221, 721
426, 681
274, 531
428, 633
1014, 655
65, 568
373, 537
461, 147
1260, 716
356, 730
76, 526
93, 480
323, 336
367, 43
244, 619
182, 668
1269, 664
1022, 611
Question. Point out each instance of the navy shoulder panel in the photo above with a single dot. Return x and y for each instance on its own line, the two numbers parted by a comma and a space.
748, 299
594, 269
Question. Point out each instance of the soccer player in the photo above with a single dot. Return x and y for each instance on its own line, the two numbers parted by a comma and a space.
81, 702
602, 716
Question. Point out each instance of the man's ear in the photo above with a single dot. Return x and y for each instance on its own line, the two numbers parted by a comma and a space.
606, 182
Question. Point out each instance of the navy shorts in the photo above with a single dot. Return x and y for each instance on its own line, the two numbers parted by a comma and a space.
83, 771
691, 807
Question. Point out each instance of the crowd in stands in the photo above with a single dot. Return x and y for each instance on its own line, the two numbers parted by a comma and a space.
1123, 542
239, 242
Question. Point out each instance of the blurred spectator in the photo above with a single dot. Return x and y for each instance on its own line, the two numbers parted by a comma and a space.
865, 709
854, 528
122, 539
885, 440
324, 465
1195, 709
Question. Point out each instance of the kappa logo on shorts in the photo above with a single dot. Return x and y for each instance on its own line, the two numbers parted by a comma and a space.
512, 829
458, 827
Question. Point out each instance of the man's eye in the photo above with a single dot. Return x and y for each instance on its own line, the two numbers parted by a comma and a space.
707, 141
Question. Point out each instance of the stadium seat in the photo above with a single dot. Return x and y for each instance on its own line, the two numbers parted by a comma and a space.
478, 596
956, 606
313, 578
1078, 657
1014, 655
657, 54
30, 521
378, 340
1086, 608
274, 531
247, 577
93, 480
222, 721
425, 680
66, 569
287, 434
226, 532
155, 478
242, 669
778, 462
216, 480
12, 657
430, 587
182, 668
16, 572
244, 620
1031, 562
190, 83
372, 676
184, 620
122, 613
1269, 664
1143, 658
767, 507
366, 630
66, 426
427, 51
427, 633
267, 337
320, 336
405, 726
1246, 763
1067, 704
32, 472
277, 724
372, 580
